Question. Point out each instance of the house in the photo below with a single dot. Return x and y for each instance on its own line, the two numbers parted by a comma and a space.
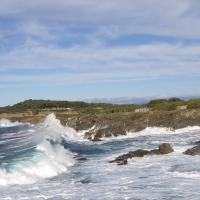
142, 110
181, 107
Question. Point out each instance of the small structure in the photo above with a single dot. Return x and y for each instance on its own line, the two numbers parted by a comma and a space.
184, 107
142, 110
58, 108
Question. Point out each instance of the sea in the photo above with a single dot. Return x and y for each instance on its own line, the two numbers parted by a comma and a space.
47, 161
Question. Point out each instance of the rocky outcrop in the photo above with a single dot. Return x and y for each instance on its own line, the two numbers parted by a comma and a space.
193, 151
115, 124
105, 124
164, 148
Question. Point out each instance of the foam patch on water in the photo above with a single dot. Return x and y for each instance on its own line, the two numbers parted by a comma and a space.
191, 175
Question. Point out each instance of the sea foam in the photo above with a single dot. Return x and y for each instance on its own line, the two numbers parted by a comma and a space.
8, 123
49, 157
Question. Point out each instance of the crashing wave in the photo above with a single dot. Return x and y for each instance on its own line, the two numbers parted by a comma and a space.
8, 123
49, 158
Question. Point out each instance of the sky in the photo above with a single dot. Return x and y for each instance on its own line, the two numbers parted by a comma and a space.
81, 49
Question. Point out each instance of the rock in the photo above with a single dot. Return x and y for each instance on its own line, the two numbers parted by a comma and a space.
86, 181
122, 162
165, 148
193, 151
81, 158
139, 153
154, 152
197, 142
96, 139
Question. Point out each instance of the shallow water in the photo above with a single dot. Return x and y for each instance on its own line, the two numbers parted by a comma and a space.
47, 161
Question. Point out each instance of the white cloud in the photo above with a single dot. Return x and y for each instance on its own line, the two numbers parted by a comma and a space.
172, 17
42, 23
100, 63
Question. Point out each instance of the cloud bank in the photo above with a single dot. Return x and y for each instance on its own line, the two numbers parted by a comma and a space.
93, 41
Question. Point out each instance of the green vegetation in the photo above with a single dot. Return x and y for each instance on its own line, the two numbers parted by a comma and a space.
71, 106
92, 108
166, 104
194, 104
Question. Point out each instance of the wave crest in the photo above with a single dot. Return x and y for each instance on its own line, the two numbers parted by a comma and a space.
48, 158
8, 123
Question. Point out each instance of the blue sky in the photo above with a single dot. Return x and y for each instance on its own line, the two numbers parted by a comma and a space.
75, 49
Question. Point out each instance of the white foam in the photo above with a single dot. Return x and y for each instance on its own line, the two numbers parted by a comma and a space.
55, 130
8, 123
51, 162
192, 175
49, 159
151, 131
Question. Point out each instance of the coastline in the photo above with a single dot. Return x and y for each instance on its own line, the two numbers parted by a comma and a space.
102, 125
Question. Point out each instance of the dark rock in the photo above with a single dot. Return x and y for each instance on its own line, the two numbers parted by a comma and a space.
197, 143
139, 153
165, 148
154, 152
122, 162
193, 151
81, 158
123, 158
96, 139
86, 181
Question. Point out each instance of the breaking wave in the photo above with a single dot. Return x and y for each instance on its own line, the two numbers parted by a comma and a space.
35, 153
8, 123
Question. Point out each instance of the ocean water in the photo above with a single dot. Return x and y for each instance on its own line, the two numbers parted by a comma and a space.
49, 161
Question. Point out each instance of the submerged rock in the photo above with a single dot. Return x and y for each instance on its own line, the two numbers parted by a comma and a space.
164, 148
193, 151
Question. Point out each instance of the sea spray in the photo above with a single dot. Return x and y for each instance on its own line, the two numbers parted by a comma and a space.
49, 157
8, 123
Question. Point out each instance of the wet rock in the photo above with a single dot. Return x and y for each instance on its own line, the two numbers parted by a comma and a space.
164, 148
96, 139
154, 152
122, 162
193, 151
197, 143
86, 181
82, 159
138, 153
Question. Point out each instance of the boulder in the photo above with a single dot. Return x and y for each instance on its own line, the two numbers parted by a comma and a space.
193, 151
165, 148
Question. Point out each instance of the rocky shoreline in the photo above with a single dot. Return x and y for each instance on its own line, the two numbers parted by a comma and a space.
113, 124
